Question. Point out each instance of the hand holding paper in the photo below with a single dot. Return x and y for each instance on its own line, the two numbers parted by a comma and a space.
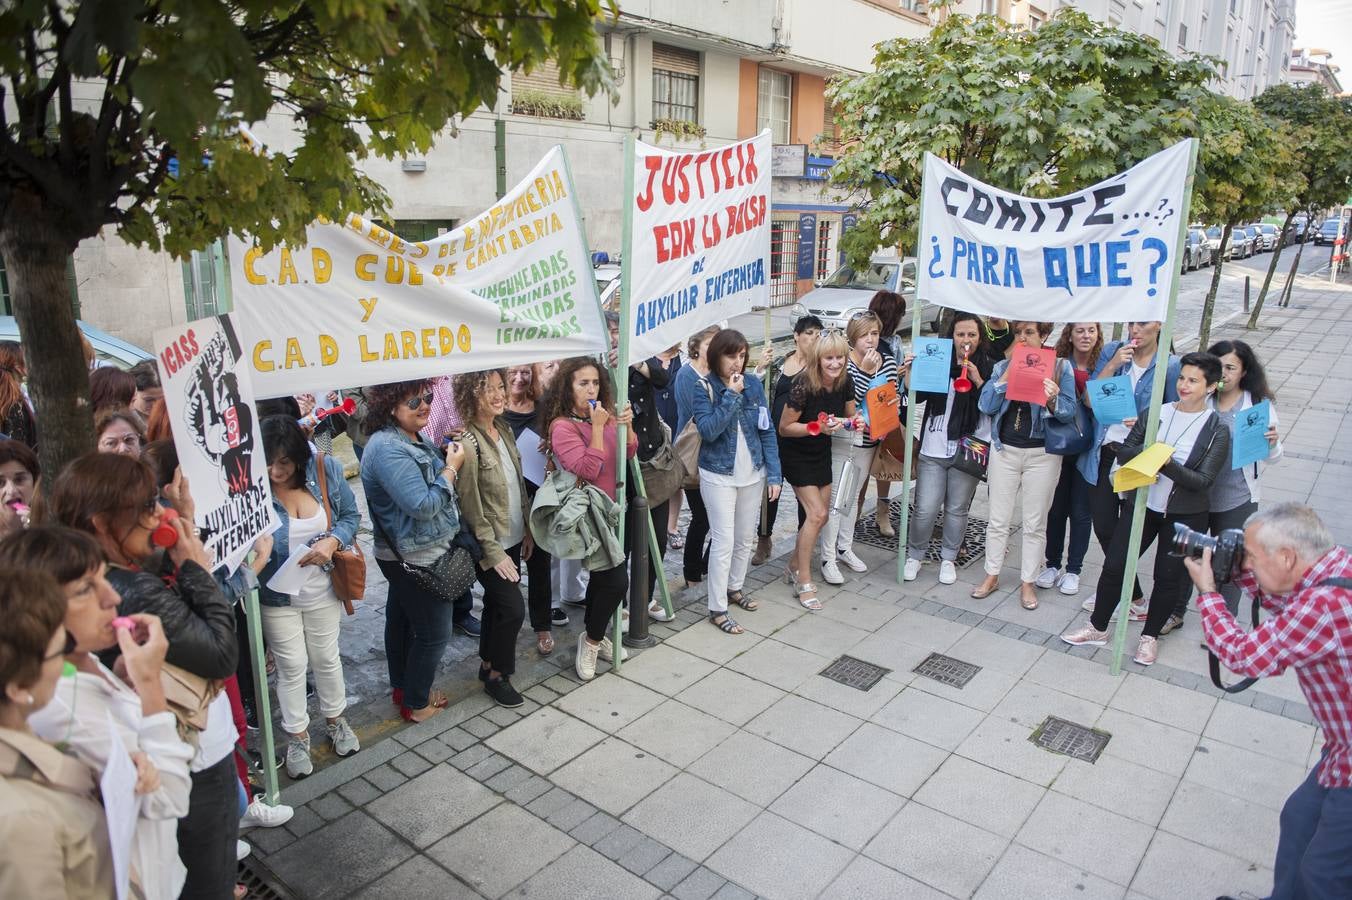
1144, 469
1251, 441
1028, 368
933, 360
1111, 399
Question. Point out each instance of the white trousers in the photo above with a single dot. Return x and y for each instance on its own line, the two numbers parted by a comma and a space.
838, 533
1036, 472
301, 639
570, 580
734, 513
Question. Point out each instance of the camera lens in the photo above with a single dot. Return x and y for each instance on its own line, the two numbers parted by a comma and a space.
1189, 543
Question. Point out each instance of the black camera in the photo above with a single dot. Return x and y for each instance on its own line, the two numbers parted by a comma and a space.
1227, 549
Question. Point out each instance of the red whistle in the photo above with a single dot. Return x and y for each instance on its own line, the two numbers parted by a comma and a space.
166, 535
347, 408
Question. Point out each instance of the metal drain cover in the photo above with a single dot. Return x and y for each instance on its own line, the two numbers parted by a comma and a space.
1069, 739
854, 673
947, 670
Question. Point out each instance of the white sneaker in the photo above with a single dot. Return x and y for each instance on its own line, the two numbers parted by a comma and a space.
344, 739
948, 573
849, 558
607, 651
831, 572
1069, 584
1138, 612
912, 569
259, 815
585, 662
242, 849
298, 762
1047, 578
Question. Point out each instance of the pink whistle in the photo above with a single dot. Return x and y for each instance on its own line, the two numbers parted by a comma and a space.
126, 622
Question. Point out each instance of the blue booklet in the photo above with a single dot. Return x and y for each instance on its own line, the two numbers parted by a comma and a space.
1112, 399
1250, 443
933, 361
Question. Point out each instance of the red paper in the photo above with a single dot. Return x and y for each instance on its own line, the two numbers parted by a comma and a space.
883, 418
1028, 368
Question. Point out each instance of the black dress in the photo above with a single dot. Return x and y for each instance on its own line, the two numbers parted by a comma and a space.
806, 461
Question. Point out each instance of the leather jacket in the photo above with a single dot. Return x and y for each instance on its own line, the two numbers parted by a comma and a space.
198, 619
1191, 492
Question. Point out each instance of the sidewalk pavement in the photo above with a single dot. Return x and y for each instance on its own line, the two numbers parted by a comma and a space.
729, 767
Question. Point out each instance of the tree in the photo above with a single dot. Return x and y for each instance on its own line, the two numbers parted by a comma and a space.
1040, 113
124, 113
1320, 123
1245, 167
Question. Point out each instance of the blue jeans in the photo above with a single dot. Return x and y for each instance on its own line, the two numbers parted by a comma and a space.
1314, 852
940, 485
417, 629
1069, 503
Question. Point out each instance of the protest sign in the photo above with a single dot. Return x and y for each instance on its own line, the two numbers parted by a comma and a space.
358, 305
1028, 368
1251, 443
210, 400
698, 243
1112, 399
1105, 253
881, 408
932, 363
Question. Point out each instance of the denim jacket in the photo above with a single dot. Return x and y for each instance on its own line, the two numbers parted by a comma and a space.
994, 403
406, 494
346, 519
717, 420
1087, 463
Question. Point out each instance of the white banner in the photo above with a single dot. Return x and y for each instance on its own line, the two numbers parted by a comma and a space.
1106, 253
359, 305
699, 241
211, 410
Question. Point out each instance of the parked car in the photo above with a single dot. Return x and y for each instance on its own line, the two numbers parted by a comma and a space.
1269, 235
608, 286
107, 348
1255, 239
1328, 232
1213, 243
1299, 231
849, 291
1196, 251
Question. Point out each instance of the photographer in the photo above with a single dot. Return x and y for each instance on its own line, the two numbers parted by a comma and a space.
1288, 562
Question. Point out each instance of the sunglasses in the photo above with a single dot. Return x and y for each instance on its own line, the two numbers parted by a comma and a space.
419, 400
66, 650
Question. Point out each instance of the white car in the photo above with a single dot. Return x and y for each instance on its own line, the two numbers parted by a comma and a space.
608, 286
848, 291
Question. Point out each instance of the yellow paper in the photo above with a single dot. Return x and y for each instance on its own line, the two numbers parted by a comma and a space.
1144, 469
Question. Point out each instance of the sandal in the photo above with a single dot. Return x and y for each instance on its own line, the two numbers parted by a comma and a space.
544, 642
1028, 602
806, 587
676, 541
743, 601
728, 626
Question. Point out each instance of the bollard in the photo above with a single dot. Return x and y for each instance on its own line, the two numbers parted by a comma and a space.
637, 532
1246, 293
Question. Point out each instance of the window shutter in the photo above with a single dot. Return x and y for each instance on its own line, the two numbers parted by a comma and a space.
675, 59
543, 78
828, 122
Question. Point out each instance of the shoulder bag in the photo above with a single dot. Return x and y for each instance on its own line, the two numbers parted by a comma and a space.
663, 473
1069, 438
448, 577
688, 444
349, 565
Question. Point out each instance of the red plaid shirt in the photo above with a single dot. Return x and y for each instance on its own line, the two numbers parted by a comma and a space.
1311, 629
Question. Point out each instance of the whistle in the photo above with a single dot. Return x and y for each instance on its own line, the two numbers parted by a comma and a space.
166, 535
347, 408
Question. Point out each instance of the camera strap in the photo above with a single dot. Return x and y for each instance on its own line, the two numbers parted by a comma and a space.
1245, 683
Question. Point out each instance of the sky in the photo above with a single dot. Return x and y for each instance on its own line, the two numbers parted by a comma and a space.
1327, 24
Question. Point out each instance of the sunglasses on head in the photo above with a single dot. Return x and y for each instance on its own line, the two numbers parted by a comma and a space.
419, 400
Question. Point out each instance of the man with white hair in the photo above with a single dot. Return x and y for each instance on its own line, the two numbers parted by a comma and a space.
1305, 582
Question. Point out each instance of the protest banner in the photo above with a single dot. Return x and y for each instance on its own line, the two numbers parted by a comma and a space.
358, 305
1104, 253
220, 451
697, 240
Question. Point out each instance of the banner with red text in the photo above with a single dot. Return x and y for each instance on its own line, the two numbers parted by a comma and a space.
699, 240
220, 450
358, 305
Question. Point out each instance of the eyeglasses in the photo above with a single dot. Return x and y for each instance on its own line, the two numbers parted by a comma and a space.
132, 441
66, 650
147, 507
419, 400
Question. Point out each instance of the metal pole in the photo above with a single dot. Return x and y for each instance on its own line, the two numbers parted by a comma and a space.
1152, 424
638, 574
1246, 291
262, 703
500, 154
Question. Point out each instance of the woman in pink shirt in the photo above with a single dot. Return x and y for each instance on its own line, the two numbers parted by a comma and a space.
579, 419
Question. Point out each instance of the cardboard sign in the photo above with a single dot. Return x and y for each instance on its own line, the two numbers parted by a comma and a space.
1028, 368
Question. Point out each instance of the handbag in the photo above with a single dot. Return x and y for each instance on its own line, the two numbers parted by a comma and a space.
448, 577
687, 446
349, 565
663, 473
972, 456
189, 697
888, 460
1069, 438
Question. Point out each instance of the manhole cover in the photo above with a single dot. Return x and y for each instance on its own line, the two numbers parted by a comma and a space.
1069, 739
973, 545
854, 673
947, 670
259, 882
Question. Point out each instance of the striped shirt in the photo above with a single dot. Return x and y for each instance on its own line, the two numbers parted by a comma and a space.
861, 380
1311, 630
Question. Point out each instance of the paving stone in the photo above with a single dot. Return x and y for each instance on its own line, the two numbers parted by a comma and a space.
980, 795
508, 778
584, 866
267, 841
458, 739
1242, 699
360, 792
700, 884
804, 726
1268, 704
476, 853
691, 816
1165, 703
551, 802
528, 790
431, 806
367, 849
776, 858
1022, 873
434, 751
545, 740
670, 871
609, 703
561, 685
1086, 837
418, 879
330, 806
937, 849
487, 767
1176, 867
572, 815
481, 727
1243, 773
500, 716
885, 758
1119, 785
752, 768
304, 821
470, 757
927, 717
1004, 745
618, 842
864, 879
410, 764
595, 828
614, 775
541, 694
731, 696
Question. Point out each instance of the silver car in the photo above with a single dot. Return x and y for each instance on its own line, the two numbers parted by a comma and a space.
849, 291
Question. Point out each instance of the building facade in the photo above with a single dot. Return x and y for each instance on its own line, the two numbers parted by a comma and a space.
690, 73
1312, 66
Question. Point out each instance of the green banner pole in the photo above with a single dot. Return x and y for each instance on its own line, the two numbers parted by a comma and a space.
654, 551
1152, 422
262, 703
907, 462
620, 374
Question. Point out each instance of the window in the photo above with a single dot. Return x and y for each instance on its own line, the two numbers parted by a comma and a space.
206, 282
1034, 21
675, 84
990, 7
915, 6
1182, 36
774, 90
825, 249
783, 261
